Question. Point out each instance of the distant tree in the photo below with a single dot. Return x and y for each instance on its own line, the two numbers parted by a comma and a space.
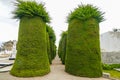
83, 47
7, 45
48, 48
32, 58
52, 39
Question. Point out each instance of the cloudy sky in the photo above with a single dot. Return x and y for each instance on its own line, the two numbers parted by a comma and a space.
58, 10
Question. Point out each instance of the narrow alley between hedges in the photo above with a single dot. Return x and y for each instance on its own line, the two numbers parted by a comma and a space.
57, 73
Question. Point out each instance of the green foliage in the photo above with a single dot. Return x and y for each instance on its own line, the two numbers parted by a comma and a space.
84, 12
106, 67
53, 49
52, 39
51, 33
48, 48
30, 9
32, 58
110, 66
62, 46
83, 49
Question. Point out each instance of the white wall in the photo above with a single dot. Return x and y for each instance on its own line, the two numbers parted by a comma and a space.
110, 42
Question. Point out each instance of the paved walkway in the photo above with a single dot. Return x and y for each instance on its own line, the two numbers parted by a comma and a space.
57, 73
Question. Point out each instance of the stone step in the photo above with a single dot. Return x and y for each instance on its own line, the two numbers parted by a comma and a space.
106, 75
5, 69
5, 64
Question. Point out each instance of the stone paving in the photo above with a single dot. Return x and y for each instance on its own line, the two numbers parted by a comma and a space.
57, 73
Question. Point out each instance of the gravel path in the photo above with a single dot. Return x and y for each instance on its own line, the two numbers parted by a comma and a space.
57, 73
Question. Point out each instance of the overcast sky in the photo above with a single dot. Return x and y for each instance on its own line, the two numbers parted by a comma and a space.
58, 11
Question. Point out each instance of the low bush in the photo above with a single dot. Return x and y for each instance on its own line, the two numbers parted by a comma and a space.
110, 66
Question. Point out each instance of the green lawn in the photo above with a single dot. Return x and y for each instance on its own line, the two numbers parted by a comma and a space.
113, 73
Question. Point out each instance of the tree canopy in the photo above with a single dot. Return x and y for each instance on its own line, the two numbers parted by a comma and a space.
30, 9
51, 33
84, 12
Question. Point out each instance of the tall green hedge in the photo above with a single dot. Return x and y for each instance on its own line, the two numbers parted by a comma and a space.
32, 58
83, 56
53, 49
62, 46
52, 39
48, 48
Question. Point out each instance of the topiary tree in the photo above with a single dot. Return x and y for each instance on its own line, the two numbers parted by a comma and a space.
53, 49
83, 49
32, 58
62, 46
52, 39
48, 48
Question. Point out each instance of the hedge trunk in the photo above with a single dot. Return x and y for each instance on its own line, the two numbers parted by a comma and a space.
83, 48
31, 59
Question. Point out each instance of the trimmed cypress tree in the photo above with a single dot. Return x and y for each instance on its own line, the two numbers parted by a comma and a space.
53, 49
48, 48
83, 47
62, 46
52, 39
32, 58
